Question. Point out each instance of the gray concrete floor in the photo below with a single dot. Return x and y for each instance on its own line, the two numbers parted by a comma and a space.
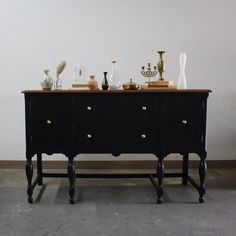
118, 207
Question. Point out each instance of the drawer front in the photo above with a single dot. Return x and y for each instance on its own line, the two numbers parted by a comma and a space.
50, 123
117, 108
117, 140
185, 123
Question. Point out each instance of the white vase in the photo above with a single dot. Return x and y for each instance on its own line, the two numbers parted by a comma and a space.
47, 81
182, 82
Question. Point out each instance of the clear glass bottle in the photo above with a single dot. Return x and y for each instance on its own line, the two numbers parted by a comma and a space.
114, 80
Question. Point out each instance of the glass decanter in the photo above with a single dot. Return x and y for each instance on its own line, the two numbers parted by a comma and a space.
114, 81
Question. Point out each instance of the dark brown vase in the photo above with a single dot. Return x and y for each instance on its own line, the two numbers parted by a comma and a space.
105, 84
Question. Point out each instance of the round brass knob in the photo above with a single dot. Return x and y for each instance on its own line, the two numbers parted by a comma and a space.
89, 136
89, 108
143, 136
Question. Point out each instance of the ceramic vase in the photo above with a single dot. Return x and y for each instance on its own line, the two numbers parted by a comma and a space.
182, 82
47, 81
92, 83
105, 84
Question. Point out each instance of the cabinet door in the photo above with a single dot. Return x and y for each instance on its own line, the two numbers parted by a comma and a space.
184, 122
50, 122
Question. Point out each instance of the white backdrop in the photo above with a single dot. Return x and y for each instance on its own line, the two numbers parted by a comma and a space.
37, 35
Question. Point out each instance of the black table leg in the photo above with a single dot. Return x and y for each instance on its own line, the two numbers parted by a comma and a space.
39, 169
202, 175
72, 177
185, 169
160, 176
29, 175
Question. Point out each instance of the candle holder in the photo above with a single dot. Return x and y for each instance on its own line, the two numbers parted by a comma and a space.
161, 65
148, 73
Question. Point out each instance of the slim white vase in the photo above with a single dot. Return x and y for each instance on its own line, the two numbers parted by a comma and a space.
182, 82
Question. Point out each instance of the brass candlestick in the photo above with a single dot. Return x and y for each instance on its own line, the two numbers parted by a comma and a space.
149, 73
161, 65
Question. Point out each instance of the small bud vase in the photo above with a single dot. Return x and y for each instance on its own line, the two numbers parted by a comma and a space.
182, 82
92, 83
105, 84
47, 81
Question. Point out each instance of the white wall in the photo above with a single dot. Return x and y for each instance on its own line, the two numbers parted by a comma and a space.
35, 35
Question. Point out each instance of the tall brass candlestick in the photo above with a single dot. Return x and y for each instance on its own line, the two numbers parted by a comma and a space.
161, 65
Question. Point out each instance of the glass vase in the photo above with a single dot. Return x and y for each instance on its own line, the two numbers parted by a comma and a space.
114, 81
58, 84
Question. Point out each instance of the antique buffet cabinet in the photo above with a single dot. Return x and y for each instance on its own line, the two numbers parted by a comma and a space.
157, 122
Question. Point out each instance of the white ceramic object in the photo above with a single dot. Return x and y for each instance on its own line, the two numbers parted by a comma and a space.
47, 81
182, 82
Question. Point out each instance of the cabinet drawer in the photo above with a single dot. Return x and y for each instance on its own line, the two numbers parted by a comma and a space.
117, 139
115, 108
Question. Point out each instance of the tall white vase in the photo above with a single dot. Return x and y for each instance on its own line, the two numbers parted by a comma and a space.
182, 82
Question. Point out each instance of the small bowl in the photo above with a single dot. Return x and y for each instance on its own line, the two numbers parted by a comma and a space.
130, 86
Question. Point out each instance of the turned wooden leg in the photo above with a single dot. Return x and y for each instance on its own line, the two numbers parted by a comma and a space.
160, 175
39, 169
202, 175
185, 169
72, 177
29, 175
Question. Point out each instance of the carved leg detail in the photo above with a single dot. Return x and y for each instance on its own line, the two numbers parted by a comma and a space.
160, 175
202, 175
29, 175
185, 169
39, 169
72, 177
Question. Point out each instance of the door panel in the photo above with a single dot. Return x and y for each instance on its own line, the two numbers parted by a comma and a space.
50, 122
184, 122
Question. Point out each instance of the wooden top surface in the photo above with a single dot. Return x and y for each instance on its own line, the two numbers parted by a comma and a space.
121, 91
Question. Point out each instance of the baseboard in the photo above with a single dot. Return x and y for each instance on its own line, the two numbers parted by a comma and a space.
169, 164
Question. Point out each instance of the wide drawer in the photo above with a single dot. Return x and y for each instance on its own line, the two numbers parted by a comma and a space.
117, 140
114, 108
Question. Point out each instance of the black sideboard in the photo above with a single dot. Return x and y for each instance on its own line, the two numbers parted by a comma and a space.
158, 122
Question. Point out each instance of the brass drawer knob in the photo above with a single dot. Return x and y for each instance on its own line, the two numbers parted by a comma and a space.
89, 108
89, 136
144, 108
49, 122
184, 122
143, 135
